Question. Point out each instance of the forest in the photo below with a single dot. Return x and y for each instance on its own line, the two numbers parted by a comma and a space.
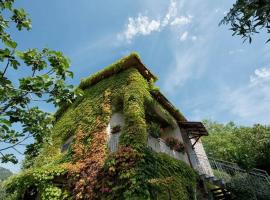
248, 146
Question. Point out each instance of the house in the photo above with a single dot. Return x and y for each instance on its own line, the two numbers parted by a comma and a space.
122, 139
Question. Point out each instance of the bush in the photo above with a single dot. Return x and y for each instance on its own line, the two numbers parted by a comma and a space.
249, 188
222, 175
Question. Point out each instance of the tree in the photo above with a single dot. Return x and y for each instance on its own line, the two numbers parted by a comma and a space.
246, 146
20, 115
247, 17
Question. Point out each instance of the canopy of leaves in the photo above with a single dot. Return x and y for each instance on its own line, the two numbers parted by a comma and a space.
248, 17
20, 95
247, 146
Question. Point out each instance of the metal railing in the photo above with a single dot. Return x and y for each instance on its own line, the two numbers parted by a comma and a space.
257, 180
224, 169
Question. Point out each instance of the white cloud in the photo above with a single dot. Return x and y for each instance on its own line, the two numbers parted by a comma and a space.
231, 52
184, 36
250, 102
188, 63
143, 25
260, 76
217, 10
172, 12
194, 38
182, 20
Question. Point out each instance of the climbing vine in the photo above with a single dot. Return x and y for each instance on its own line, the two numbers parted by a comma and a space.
91, 171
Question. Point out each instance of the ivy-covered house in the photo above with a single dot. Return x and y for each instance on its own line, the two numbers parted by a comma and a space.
122, 139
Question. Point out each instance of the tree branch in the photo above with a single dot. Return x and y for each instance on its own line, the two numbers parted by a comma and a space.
17, 151
12, 146
5, 68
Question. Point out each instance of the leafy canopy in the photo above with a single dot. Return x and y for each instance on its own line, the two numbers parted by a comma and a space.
248, 17
249, 147
20, 97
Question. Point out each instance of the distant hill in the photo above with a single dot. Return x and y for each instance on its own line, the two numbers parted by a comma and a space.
4, 173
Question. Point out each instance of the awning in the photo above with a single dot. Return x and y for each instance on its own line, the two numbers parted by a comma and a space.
194, 130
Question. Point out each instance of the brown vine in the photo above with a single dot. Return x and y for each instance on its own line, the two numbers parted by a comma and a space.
89, 161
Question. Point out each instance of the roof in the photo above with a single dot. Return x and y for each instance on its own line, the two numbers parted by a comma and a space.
133, 61
194, 128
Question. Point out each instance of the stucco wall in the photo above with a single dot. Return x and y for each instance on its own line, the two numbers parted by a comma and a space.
204, 165
197, 155
176, 133
113, 139
158, 145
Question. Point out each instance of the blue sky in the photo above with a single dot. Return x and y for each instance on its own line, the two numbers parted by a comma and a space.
202, 69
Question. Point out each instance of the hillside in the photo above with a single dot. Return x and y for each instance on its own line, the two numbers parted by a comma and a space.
4, 173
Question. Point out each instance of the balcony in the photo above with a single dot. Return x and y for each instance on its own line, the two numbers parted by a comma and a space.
158, 145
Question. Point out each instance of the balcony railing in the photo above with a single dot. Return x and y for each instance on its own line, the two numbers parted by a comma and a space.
159, 145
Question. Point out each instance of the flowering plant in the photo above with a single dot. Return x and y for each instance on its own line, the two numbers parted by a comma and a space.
174, 144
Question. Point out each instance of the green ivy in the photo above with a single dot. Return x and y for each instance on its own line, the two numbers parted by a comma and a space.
134, 172
38, 177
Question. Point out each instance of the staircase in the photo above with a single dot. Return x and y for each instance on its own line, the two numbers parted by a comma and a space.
220, 191
221, 194
219, 173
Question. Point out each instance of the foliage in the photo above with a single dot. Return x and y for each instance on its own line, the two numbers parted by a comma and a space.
47, 71
129, 174
246, 146
42, 178
116, 129
91, 171
121, 177
154, 129
174, 144
222, 175
135, 130
88, 159
246, 187
248, 17
114, 68
3, 194
169, 178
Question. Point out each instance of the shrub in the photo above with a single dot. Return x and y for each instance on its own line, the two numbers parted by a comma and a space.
222, 175
249, 188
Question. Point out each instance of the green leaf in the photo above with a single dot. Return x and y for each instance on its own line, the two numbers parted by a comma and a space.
9, 158
10, 43
20, 54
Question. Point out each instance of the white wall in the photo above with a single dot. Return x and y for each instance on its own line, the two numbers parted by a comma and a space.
159, 145
176, 133
113, 139
204, 165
